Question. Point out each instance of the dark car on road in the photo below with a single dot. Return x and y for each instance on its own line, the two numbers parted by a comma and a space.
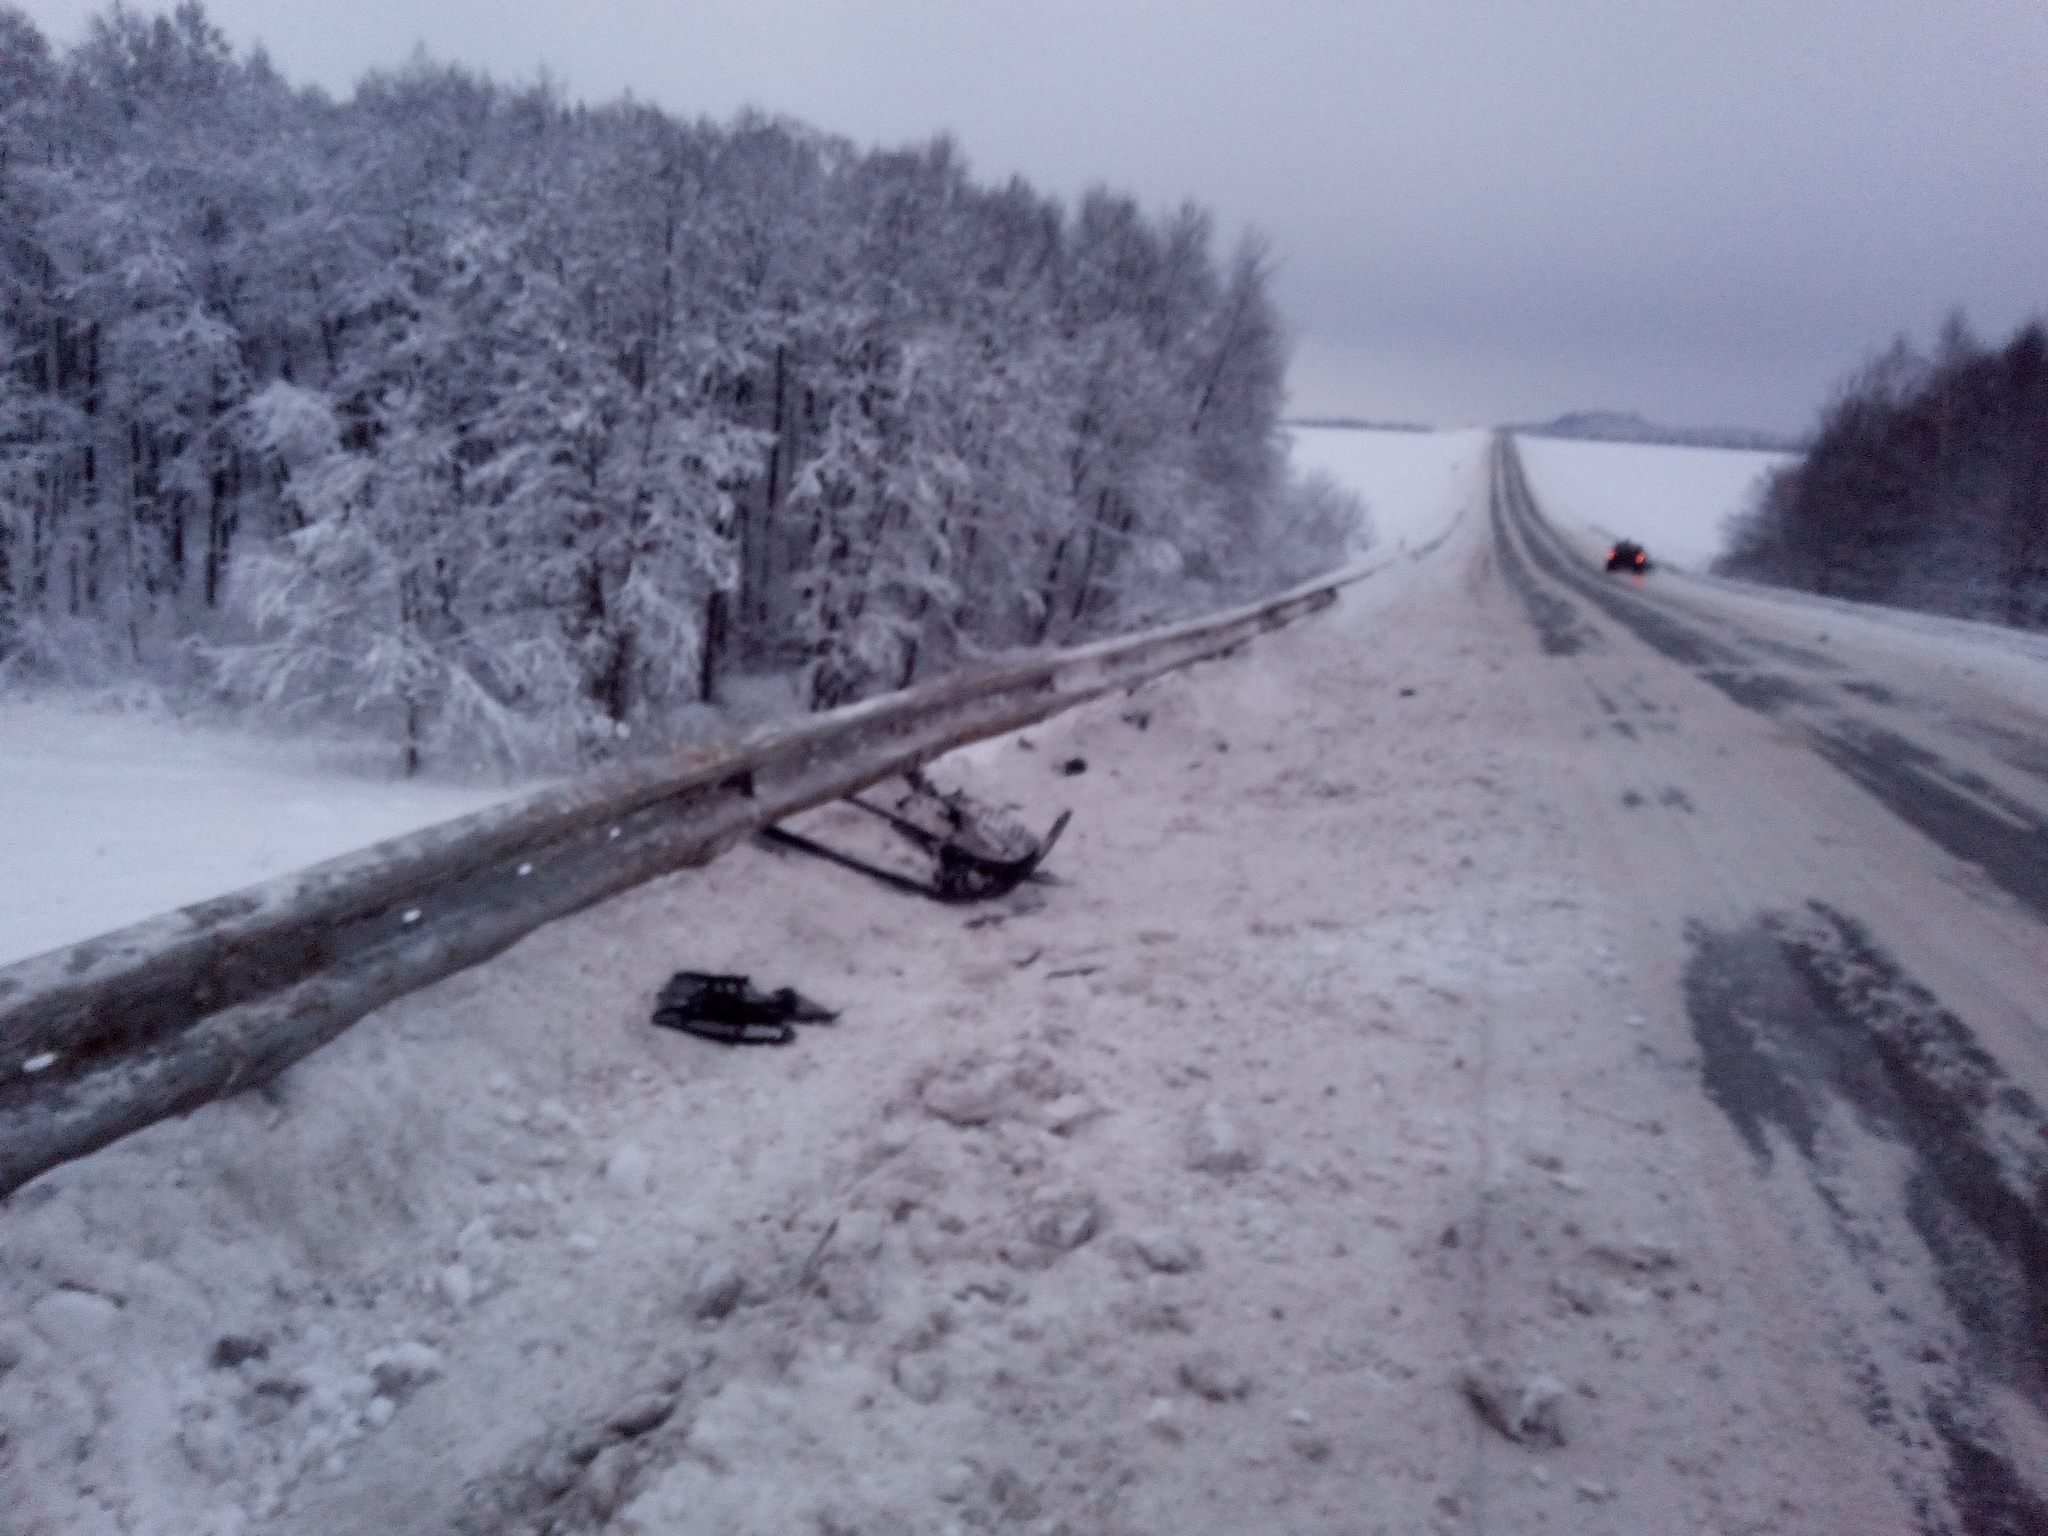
1628, 556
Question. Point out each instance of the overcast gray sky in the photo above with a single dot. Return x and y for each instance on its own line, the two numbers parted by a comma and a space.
1705, 211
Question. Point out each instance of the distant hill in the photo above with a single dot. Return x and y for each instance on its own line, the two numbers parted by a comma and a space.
1627, 427
1357, 425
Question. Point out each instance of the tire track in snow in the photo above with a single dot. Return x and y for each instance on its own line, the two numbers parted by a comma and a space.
1813, 1039
1556, 621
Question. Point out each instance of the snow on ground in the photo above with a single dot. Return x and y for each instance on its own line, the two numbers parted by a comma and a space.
1058, 1229
1171, 1196
1413, 483
425, 1264
1337, 1091
110, 817
1672, 501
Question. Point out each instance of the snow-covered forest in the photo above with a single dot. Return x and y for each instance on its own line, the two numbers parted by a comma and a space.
514, 426
1927, 487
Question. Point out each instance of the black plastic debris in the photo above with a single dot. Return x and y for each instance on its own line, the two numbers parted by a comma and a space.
232, 1349
1407, 693
1074, 765
731, 1010
977, 853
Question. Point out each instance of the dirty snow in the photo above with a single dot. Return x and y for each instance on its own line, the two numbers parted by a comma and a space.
1673, 501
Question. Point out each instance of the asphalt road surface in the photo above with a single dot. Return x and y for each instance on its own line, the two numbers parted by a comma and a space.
1838, 851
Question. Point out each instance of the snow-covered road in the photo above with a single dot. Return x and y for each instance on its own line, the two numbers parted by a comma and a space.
1615, 1012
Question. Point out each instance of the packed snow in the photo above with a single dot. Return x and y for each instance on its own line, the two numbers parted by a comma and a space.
1675, 502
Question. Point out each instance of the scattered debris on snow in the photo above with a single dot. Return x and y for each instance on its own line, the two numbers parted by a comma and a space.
732, 1011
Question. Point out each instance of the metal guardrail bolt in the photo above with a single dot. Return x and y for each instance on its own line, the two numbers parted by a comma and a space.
412, 916
526, 869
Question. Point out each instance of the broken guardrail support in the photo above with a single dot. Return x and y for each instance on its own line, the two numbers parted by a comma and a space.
116, 1033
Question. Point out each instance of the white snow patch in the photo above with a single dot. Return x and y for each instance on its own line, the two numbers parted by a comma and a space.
1413, 483
630, 1170
107, 819
1325, 928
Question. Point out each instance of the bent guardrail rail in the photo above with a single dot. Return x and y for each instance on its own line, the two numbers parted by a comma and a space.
108, 1036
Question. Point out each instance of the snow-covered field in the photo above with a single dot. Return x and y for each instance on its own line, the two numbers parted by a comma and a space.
1413, 483
1675, 502
109, 816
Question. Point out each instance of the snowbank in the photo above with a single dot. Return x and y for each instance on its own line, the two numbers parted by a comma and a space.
1673, 501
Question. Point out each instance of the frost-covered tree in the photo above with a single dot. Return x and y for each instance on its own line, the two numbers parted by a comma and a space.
514, 425
1926, 487
362, 605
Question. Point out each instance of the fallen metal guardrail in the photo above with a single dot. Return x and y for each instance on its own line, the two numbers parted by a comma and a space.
114, 1034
